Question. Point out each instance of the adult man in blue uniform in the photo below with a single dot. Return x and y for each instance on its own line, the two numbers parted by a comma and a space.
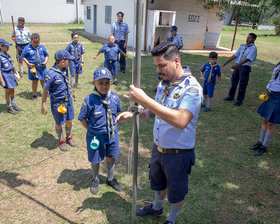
175, 110
174, 37
120, 31
245, 57
22, 37
57, 85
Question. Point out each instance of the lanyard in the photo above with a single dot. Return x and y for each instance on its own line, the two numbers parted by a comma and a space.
109, 116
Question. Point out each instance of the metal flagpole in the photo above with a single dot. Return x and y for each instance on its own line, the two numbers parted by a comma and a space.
136, 82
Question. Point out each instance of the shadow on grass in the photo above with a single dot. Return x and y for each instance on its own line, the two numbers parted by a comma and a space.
109, 203
47, 141
3, 108
11, 181
79, 179
28, 95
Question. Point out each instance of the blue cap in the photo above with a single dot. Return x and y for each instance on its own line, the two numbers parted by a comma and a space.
172, 28
5, 43
102, 73
62, 55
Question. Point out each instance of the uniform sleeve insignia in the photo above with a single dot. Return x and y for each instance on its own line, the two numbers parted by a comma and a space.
47, 77
176, 96
6, 65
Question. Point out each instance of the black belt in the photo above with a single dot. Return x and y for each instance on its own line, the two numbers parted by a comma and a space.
172, 151
66, 99
111, 61
270, 91
118, 41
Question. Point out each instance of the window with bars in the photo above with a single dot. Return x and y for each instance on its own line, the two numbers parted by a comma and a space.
108, 14
89, 12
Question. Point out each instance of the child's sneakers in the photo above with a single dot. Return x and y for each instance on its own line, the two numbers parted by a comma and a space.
15, 107
62, 145
70, 141
11, 110
94, 186
114, 184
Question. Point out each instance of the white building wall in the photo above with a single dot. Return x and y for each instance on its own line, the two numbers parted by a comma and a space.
192, 19
41, 11
103, 29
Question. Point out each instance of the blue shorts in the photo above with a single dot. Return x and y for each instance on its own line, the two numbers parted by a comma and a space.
59, 117
20, 48
112, 66
208, 89
171, 171
270, 109
9, 79
109, 148
75, 67
40, 71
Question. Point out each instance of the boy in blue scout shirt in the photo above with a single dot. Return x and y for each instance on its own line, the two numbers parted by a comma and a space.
36, 57
7, 77
77, 50
175, 38
211, 69
111, 51
21, 35
57, 85
98, 115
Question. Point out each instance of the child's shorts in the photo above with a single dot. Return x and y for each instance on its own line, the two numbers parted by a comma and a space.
208, 89
40, 72
75, 67
9, 79
20, 48
109, 148
171, 171
112, 66
59, 117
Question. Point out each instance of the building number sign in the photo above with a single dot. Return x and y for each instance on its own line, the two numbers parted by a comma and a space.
193, 18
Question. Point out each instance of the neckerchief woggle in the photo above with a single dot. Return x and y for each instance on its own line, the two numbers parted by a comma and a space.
109, 116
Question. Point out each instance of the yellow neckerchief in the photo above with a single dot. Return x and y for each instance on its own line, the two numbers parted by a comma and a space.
211, 72
169, 86
109, 116
276, 73
37, 54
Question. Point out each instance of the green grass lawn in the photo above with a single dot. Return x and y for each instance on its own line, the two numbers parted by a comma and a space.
41, 184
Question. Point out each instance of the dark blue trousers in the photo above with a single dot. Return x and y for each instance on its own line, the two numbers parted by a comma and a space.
122, 58
240, 75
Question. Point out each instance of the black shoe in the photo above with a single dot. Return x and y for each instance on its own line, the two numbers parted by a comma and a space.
114, 184
123, 71
168, 222
148, 210
94, 186
237, 104
203, 105
228, 99
256, 146
34, 97
261, 151
11, 110
17, 108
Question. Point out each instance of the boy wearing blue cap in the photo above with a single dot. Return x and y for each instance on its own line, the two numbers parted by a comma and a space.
212, 70
98, 115
7, 77
77, 50
175, 38
57, 85
111, 51
36, 57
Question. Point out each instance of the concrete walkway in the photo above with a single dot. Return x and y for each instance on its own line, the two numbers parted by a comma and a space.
220, 50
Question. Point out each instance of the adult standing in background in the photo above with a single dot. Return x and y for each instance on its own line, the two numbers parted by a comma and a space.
120, 30
175, 38
245, 57
22, 37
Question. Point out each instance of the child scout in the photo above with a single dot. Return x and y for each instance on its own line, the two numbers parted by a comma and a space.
8, 77
36, 57
98, 115
77, 50
57, 85
111, 51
